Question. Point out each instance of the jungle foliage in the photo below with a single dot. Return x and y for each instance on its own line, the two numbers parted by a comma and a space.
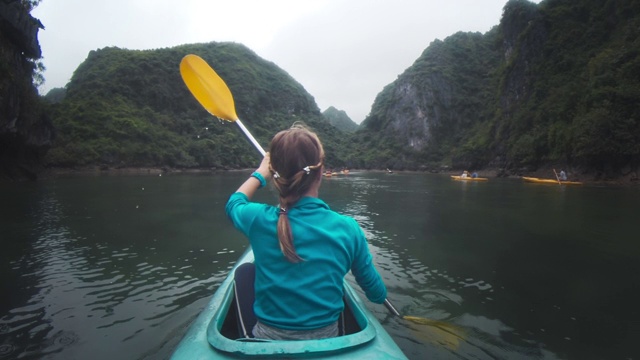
581, 108
339, 119
131, 108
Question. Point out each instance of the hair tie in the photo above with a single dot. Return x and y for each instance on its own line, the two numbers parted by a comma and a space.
308, 168
283, 211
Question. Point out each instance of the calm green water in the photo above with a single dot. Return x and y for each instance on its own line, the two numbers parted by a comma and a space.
118, 266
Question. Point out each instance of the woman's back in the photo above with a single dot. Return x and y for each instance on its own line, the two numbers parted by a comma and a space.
306, 294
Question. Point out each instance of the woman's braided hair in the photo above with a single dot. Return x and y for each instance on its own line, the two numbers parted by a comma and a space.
297, 158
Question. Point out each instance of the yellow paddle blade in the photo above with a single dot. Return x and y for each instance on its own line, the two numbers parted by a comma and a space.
440, 332
430, 322
207, 87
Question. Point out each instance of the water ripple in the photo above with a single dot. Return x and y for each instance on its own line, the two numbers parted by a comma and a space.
77, 288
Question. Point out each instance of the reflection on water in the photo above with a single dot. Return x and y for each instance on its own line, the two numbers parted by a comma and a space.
99, 267
518, 267
85, 286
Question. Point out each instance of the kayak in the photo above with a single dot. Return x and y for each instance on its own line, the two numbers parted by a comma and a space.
549, 181
458, 177
215, 335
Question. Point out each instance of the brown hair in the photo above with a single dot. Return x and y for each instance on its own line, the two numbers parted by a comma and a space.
297, 157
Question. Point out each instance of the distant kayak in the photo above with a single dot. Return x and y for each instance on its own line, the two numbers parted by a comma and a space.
458, 177
549, 181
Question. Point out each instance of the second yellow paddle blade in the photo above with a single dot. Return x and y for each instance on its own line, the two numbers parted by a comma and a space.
438, 332
436, 323
207, 87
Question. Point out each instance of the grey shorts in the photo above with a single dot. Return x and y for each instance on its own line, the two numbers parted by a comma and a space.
262, 331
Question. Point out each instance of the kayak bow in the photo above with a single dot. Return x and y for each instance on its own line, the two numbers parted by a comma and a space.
214, 334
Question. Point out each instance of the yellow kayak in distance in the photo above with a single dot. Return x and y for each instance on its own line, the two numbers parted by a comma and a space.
468, 178
549, 181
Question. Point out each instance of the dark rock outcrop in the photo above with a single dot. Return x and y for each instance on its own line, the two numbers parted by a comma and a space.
20, 28
26, 132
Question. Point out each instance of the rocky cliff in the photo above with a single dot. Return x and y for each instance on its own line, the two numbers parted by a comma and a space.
436, 102
26, 132
554, 84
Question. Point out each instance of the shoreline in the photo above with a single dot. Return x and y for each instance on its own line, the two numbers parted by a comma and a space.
630, 179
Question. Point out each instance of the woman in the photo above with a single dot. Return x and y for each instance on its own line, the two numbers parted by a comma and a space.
302, 248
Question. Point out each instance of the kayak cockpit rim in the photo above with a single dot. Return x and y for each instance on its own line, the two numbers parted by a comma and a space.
257, 347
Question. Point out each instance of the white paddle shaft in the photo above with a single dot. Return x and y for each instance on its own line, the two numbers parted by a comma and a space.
251, 138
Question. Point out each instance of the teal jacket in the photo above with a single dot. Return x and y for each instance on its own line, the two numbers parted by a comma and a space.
305, 295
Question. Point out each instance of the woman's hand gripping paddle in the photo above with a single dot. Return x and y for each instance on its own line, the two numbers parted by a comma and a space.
211, 92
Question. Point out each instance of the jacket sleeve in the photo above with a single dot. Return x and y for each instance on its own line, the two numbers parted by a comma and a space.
364, 270
238, 211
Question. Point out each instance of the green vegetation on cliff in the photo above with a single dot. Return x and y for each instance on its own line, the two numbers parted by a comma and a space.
339, 119
131, 108
580, 105
421, 119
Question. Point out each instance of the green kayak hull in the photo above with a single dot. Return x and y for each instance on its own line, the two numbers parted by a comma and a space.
210, 337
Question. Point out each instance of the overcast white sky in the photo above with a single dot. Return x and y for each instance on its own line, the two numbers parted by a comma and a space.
342, 51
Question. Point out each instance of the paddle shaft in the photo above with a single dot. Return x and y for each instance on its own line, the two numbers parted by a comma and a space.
557, 177
392, 309
250, 137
